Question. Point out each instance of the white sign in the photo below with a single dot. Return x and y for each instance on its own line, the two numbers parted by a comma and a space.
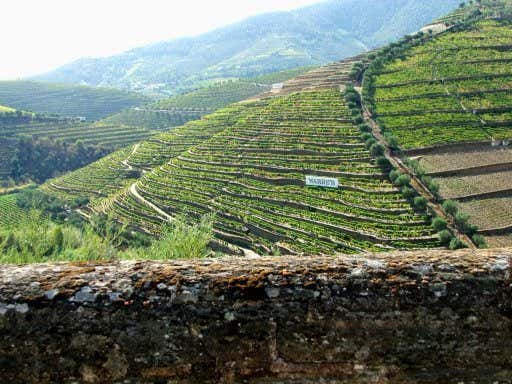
318, 181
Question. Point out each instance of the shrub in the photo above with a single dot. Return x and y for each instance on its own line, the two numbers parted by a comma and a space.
376, 150
402, 181
479, 241
366, 136
383, 163
420, 203
439, 224
351, 97
461, 220
370, 142
445, 237
394, 174
451, 207
180, 241
364, 128
433, 186
457, 244
392, 141
408, 193
358, 120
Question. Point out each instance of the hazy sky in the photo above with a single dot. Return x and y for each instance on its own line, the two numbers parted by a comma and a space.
39, 35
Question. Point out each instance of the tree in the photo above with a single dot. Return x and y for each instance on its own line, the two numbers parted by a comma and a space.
403, 180
420, 203
439, 224
451, 207
376, 150
445, 237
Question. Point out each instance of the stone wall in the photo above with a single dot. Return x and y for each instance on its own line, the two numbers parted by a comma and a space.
425, 317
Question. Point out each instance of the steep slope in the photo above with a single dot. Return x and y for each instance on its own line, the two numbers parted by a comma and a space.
178, 110
267, 43
37, 146
66, 100
247, 164
447, 103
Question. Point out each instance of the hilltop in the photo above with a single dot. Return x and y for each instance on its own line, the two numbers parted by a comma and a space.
267, 43
66, 100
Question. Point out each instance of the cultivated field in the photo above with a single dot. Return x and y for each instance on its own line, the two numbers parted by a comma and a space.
251, 175
447, 160
454, 88
67, 100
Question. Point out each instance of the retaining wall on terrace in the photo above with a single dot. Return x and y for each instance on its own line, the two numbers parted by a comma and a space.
424, 317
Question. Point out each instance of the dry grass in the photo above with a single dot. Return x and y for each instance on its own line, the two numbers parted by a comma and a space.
499, 241
489, 213
460, 160
454, 187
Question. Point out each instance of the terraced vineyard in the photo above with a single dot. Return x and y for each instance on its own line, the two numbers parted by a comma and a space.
66, 100
116, 171
252, 173
178, 110
455, 88
159, 120
10, 214
105, 134
480, 179
448, 102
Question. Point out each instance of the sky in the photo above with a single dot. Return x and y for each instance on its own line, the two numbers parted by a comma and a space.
40, 35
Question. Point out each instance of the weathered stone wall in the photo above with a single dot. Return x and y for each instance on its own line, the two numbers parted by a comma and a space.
427, 317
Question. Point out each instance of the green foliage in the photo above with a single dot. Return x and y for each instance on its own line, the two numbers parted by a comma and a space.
39, 159
38, 147
408, 193
426, 95
439, 224
451, 207
420, 203
179, 241
394, 174
479, 241
40, 240
197, 168
364, 128
366, 136
445, 237
370, 142
392, 141
53, 207
376, 150
402, 181
383, 163
456, 243
433, 187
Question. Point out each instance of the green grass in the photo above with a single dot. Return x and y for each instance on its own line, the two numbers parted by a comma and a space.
38, 240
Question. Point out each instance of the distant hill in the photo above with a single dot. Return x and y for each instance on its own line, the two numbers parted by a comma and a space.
267, 43
66, 100
177, 110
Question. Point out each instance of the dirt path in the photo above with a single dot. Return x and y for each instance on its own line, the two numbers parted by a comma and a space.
135, 193
125, 161
416, 183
